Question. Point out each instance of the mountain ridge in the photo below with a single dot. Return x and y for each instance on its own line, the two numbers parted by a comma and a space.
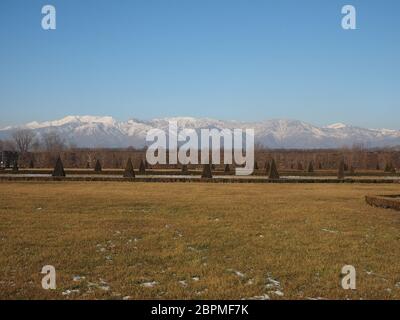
105, 131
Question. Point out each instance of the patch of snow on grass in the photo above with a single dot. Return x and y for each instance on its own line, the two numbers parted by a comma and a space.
149, 284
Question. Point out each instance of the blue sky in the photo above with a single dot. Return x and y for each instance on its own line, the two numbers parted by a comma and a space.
226, 59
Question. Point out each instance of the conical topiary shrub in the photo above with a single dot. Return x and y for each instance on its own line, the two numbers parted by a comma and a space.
129, 172
273, 171
142, 167
267, 167
227, 168
185, 169
97, 167
31, 164
255, 165
341, 169
15, 168
59, 169
389, 168
207, 174
299, 166
310, 168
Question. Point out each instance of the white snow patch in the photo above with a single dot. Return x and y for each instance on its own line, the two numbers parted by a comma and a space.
78, 278
149, 284
68, 292
278, 293
262, 297
330, 231
238, 273
337, 126
183, 283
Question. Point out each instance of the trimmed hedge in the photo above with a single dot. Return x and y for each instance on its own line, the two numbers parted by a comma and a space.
197, 172
385, 201
192, 179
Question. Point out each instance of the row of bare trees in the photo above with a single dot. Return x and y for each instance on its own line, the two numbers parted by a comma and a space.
43, 149
25, 140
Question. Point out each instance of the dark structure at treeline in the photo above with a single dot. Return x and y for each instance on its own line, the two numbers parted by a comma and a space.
284, 159
8, 158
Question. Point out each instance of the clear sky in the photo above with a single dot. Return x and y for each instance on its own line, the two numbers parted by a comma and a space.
226, 59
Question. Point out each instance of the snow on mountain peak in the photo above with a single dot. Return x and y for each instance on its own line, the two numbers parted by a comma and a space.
105, 131
185, 119
338, 125
106, 120
78, 120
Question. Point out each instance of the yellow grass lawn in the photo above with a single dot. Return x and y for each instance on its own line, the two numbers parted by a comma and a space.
196, 240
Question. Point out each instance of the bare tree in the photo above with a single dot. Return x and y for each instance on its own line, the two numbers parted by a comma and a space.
36, 145
52, 141
9, 145
23, 139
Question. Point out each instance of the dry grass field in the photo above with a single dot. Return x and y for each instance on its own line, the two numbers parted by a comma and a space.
196, 241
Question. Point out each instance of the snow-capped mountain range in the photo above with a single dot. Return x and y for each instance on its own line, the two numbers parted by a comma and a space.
93, 131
